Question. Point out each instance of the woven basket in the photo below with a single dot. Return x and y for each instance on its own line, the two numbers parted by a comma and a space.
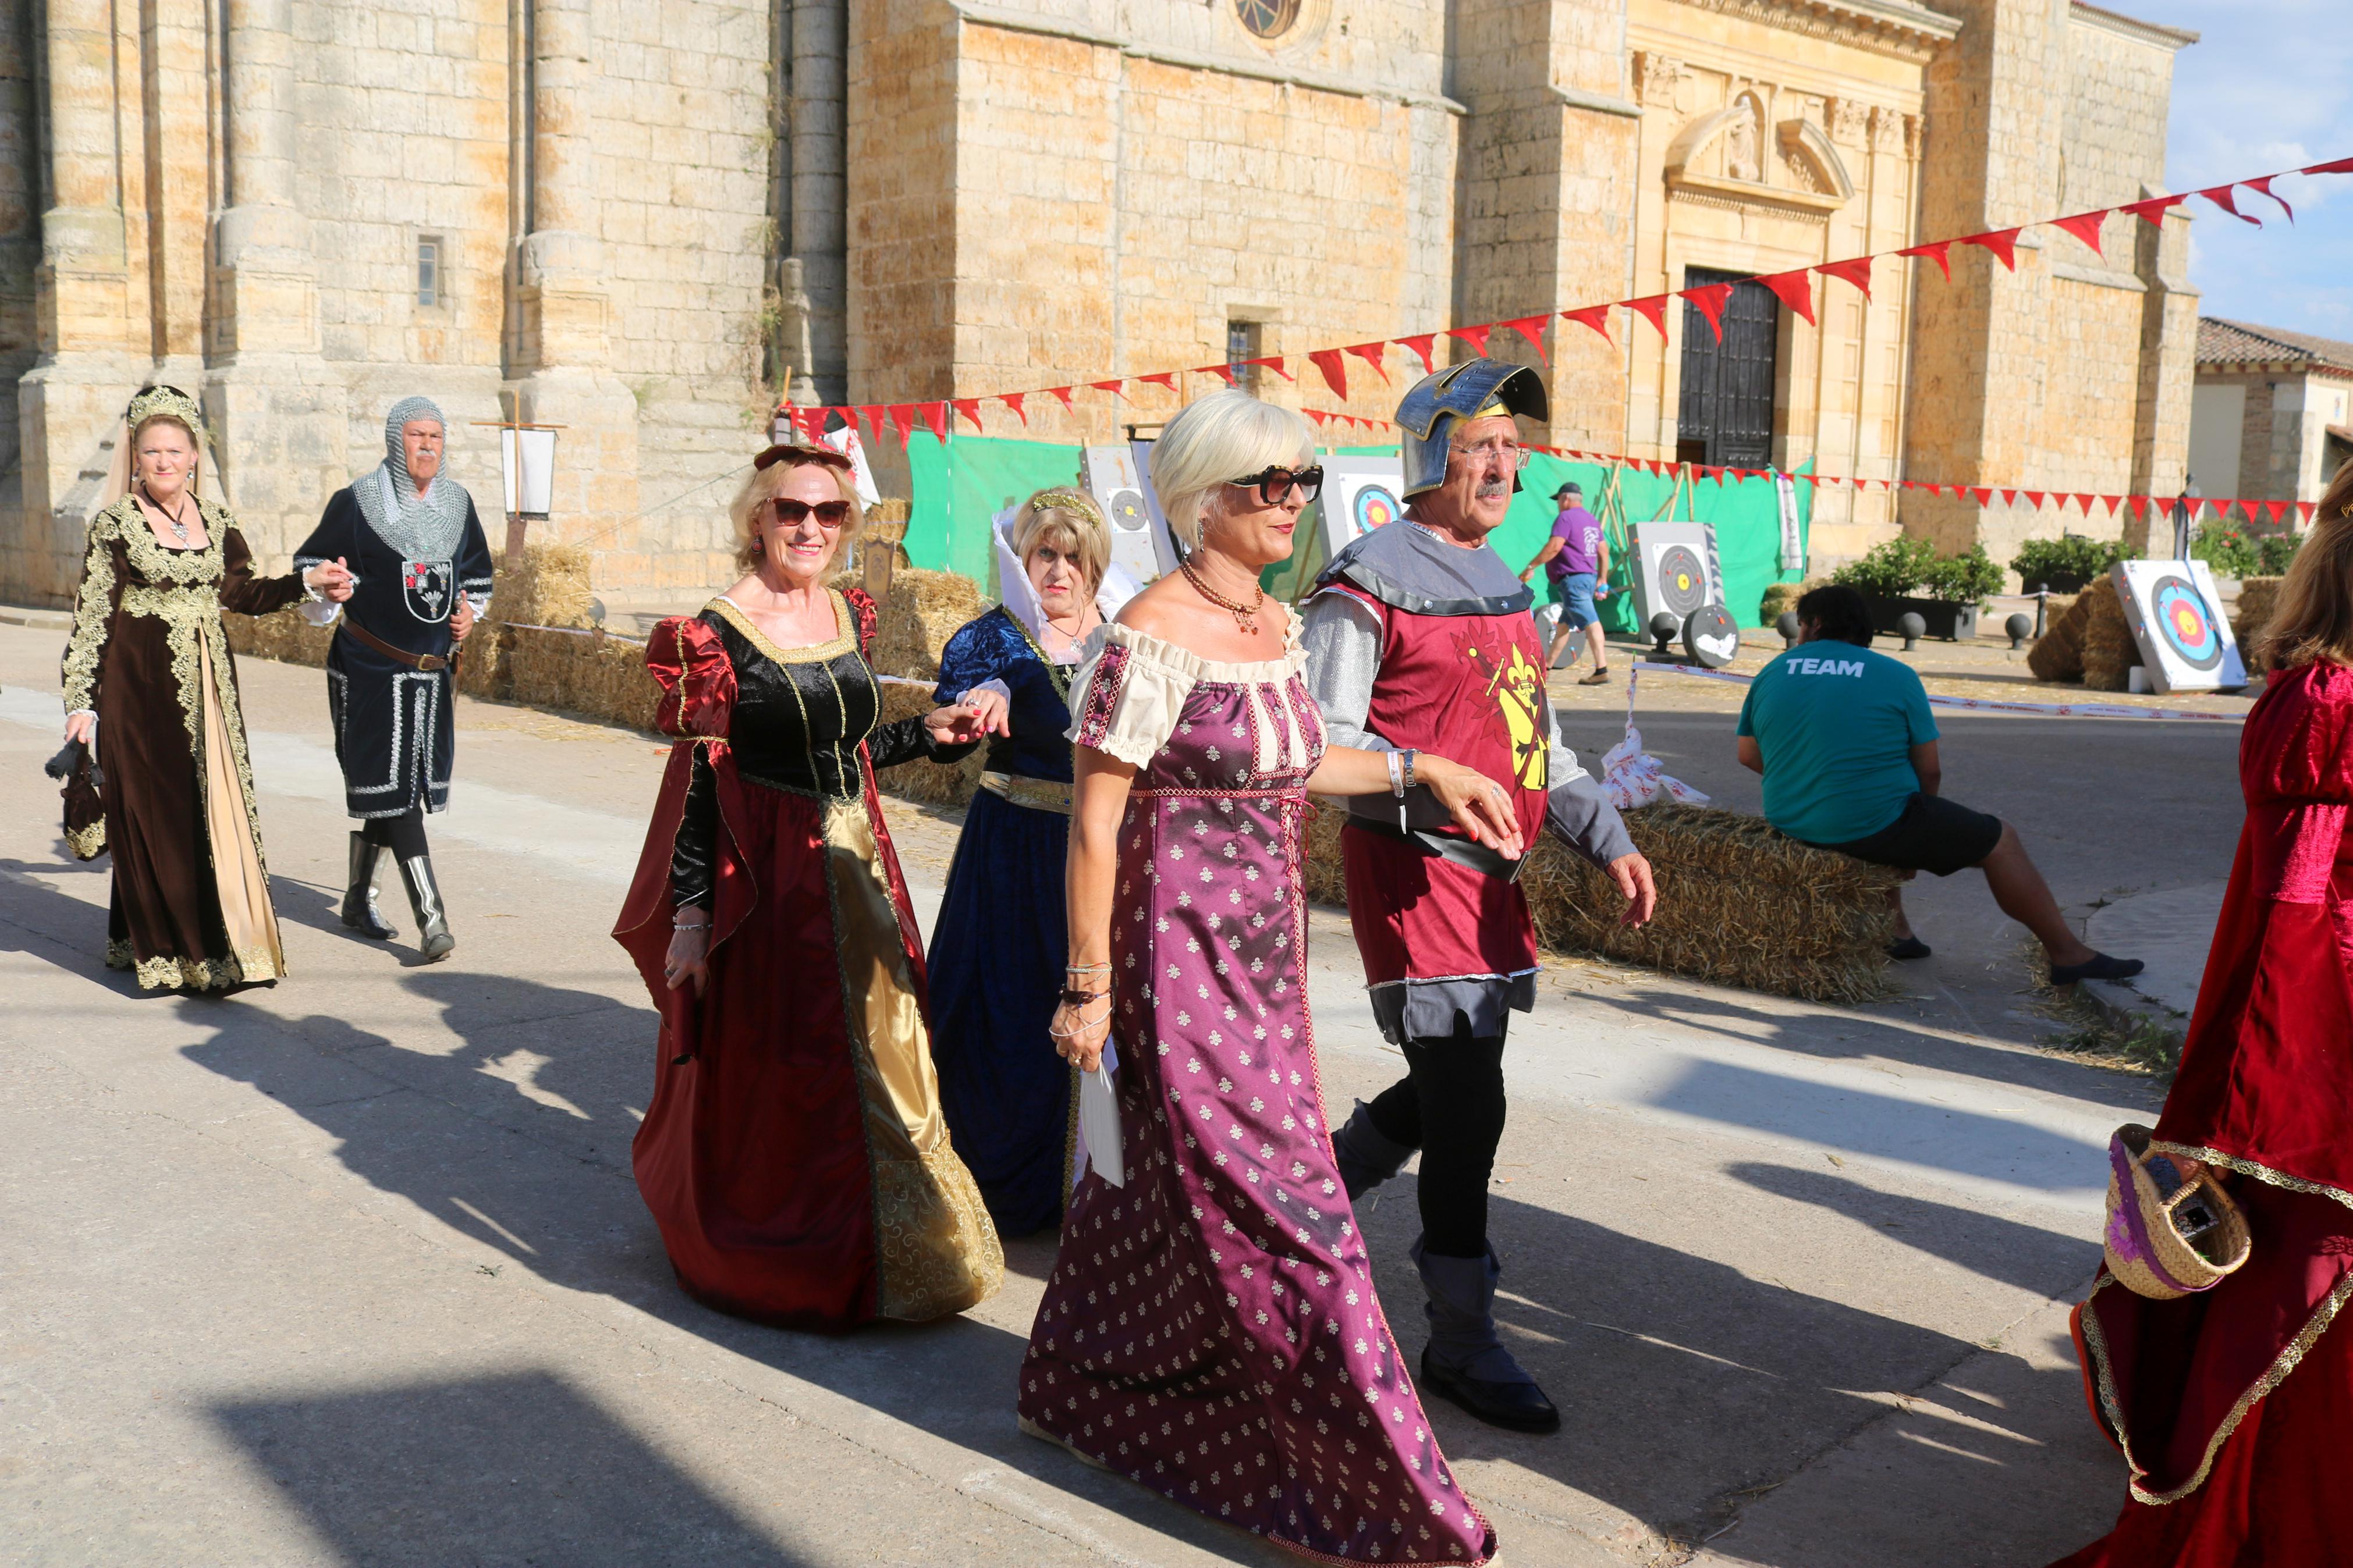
2145, 1251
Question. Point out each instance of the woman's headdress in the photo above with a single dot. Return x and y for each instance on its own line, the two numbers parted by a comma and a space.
147, 402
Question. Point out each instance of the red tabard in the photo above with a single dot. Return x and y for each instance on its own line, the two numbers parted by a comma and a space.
1468, 688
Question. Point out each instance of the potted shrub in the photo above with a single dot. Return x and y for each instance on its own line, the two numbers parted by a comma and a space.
1907, 575
2067, 565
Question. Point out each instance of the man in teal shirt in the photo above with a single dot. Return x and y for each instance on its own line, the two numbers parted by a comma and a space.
1843, 738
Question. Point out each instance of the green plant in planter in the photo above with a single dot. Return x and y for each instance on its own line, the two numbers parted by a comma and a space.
1911, 568
2234, 551
1966, 579
2067, 563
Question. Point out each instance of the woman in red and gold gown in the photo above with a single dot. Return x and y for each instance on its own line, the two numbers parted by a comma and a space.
2232, 1407
793, 1154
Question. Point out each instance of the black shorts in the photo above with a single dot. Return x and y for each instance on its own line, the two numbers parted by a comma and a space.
1933, 834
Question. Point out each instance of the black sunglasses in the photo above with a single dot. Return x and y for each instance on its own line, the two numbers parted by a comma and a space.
1275, 483
829, 513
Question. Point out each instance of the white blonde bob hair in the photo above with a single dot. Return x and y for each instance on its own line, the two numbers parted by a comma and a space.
1215, 440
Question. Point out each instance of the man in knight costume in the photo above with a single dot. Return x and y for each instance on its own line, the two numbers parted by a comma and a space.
1419, 637
421, 573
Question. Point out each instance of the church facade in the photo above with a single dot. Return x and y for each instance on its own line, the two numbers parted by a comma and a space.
641, 223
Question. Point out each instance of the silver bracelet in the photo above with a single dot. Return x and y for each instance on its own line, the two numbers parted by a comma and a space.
1397, 774
1411, 757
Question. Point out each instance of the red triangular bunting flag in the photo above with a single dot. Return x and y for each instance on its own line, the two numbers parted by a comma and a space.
1372, 354
2002, 242
1064, 393
1532, 328
2278, 509
902, 418
1983, 496
2264, 185
1420, 343
935, 414
2037, 497
1937, 251
1475, 336
1796, 291
1317, 415
1167, 378
2085, 226
970, 408
1113, 387
1275, 363
871, 413
2334, 166
1651, 308
1709, 300
2221, 197
2306, 507
1336, 371
2248, 507
2008, 498
1856, 271
2152, 211
1224, 373
1594, 316
1013, 400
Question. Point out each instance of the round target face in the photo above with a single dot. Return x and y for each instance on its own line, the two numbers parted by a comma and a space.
1373, 507
1126, 510
1710, 638
1682, 582
2184, 623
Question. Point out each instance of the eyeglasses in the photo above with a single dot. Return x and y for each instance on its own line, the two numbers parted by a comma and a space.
1509, 452
829, 513
1275, 484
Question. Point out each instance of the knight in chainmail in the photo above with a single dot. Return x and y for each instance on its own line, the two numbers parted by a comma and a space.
411, 538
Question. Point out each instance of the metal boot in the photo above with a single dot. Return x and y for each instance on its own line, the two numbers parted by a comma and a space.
1465, 1360
1366, 1155
433, 938
360, 912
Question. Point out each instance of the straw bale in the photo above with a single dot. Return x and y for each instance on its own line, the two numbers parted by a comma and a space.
2058, 653
2258, 596
924, 610
2109, 650
1739, 903
934, 783
283, 635
550, 589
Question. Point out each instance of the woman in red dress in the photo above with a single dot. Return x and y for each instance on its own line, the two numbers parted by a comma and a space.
793, 1154
2232, 1407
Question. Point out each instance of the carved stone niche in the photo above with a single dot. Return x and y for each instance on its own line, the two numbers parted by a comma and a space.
1731, 139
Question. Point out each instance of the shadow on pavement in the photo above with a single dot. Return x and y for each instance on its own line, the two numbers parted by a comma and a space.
1987, 1245
516, 1468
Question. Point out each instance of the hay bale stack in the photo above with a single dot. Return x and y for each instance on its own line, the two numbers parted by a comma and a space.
2058, 653
550, 589
924, 609
928, 782
2257, 598
1740, 904
596, 677
283, 635
2109, 651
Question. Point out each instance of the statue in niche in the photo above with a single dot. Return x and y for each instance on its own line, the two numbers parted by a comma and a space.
794, 309
1740, 152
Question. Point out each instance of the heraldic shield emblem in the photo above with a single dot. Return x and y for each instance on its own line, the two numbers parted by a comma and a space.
427, 587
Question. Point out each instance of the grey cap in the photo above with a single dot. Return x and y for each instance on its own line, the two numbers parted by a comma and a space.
1571, 489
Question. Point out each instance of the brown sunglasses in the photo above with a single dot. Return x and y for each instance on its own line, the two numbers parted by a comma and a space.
829, 513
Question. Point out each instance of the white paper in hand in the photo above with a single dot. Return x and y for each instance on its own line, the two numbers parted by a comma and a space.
1099, 1132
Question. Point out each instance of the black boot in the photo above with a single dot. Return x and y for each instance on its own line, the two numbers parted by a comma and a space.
433, 938
360, 912
1366, 1155
1465, 1360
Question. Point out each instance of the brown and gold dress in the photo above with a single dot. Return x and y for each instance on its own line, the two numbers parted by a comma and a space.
148, 654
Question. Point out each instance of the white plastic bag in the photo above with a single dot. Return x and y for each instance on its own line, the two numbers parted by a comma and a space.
1633, 777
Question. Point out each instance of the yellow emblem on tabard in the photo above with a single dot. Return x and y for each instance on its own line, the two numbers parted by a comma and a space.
1518, 688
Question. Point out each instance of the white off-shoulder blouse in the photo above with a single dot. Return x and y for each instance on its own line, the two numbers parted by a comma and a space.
1128, 696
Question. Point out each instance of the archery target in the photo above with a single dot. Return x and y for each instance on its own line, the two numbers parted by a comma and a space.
1373, 507
1710, 638
2185, 623
2179, 628
1126, 510
1683, 581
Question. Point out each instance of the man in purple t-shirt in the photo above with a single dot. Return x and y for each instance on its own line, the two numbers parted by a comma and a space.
1576, 560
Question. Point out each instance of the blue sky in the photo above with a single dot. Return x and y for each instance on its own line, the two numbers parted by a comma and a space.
2269, 85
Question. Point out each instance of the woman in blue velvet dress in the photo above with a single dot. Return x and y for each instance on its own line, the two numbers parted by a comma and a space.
998, 948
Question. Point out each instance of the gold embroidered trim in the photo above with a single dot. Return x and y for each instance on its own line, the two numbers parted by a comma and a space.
845, 632
1059, 674
86, 842
2248, 1168
93, 620
190, 568
188, 614
245, 966
2104, 1378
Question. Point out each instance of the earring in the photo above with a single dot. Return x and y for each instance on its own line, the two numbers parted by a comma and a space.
759, 545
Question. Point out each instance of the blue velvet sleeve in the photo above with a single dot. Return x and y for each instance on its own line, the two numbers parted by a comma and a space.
982, 649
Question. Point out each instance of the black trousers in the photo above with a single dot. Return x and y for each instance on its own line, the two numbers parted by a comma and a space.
1449, 1105
402, 834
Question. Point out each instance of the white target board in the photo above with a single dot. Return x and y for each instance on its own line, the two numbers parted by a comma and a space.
1120, 480
1674, 569
1360, 494
2185, 640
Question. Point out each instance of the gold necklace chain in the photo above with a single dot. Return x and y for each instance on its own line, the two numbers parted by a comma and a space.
1245, 616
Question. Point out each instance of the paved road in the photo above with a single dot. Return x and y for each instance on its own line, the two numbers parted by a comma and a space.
352, 1270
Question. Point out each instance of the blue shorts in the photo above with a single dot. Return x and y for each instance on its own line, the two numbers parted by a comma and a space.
1574, 594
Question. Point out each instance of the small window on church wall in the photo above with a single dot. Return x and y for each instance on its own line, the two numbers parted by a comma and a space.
1243, 344
1267, 18
428, 271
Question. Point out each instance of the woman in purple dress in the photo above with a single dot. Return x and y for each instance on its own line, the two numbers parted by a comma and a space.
1210, 1329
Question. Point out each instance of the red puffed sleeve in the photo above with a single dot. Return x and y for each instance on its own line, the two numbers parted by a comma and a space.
868, 615
697, 680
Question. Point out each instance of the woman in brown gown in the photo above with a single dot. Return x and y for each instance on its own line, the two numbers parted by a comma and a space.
149, 685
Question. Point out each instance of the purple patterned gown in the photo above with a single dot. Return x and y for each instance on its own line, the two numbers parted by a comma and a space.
1210, 1329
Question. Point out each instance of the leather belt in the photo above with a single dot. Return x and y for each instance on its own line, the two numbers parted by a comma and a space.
427, 662
1447, 847
1039, 795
